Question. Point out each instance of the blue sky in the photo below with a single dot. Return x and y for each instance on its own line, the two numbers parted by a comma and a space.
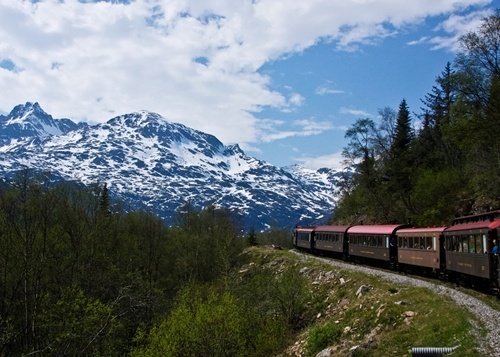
282, 78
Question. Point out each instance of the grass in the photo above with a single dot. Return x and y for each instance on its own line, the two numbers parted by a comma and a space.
387, 320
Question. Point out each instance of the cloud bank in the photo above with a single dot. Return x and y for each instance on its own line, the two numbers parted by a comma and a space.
193, 61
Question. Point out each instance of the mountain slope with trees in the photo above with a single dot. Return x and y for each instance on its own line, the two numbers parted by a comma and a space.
450, 164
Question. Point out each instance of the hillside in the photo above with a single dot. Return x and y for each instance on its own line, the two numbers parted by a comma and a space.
354, 311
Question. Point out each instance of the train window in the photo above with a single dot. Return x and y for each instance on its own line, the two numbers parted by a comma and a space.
303, 236
479, 244
465, 244
449, 243
472, 244
460, 243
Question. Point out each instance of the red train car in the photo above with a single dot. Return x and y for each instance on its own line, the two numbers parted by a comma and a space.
468, 249
374, 242
303, 237
422, 247
330, 238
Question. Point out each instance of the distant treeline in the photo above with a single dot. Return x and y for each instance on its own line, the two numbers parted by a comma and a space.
450, 164
80, 276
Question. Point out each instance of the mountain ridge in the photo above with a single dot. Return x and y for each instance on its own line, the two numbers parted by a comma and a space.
147, 160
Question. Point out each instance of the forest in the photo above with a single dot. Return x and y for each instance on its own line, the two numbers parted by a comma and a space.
428, 167
81, 275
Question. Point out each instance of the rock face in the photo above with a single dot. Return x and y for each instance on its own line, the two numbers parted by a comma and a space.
154, 164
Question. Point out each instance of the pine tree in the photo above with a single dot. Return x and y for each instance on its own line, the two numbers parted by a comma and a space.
403, 132
401, 165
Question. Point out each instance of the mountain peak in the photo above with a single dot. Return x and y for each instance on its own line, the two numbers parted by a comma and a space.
29, 121
138, 119
22, 111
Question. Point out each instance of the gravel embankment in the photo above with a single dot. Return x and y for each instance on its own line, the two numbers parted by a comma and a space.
487, 315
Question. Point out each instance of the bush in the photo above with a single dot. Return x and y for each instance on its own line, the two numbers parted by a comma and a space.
204, 322
323, 336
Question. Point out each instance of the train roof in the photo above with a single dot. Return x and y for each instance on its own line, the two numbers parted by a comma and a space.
486, 216
375, 229
304, 229
338, 229
421, 230
474, 225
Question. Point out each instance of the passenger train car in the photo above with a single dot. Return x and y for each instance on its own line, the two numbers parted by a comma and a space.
462, 251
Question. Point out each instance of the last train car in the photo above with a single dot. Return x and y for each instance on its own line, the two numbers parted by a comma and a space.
303, 237
375, 242
469, 243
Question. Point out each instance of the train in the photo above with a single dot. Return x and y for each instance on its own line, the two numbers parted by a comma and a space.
466, 251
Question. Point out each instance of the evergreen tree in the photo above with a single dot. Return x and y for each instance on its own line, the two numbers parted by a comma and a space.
403, 131
401, 166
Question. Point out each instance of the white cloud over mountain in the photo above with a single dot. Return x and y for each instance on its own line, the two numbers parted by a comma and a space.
195, 62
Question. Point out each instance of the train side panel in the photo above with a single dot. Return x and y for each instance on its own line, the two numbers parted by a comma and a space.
380, 253
471, 264
421, 247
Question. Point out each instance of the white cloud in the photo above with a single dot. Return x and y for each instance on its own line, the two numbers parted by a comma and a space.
355, 112
327, 88
305, 127
296, 100
193, 61
452, 29
332, 161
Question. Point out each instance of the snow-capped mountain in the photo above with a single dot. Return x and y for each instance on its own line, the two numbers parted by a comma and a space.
152, 163
29, 121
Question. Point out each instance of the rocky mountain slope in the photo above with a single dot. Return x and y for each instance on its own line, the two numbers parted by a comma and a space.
152, 163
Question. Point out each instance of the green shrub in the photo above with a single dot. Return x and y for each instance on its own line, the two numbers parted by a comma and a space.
323, 336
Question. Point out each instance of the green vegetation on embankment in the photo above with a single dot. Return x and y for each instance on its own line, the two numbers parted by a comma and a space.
278, 304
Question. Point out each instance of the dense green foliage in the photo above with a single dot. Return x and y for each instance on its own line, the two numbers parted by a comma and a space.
249, 315
81, 276
450, 164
